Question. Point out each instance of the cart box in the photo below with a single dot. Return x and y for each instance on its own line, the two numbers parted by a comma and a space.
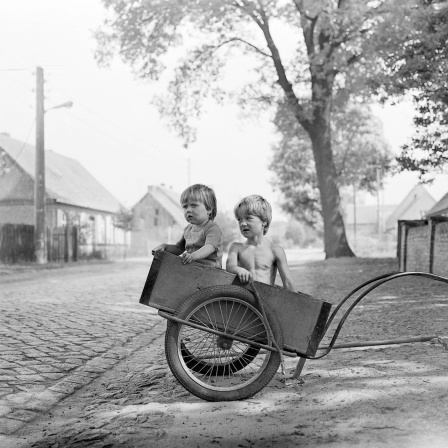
302, 317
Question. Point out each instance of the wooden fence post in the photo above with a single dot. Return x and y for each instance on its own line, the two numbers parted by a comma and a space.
75, 242
431, 234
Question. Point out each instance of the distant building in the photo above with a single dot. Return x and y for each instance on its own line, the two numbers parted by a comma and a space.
157, 218
375, 228
72, 196
414, 206
440, 208
367, 218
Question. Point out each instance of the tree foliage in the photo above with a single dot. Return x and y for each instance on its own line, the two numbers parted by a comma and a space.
359, 148
419, 67
123, 219
299, 52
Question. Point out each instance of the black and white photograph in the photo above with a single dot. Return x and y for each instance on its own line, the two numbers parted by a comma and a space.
223, 223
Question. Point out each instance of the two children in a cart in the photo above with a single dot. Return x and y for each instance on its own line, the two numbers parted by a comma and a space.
257, 258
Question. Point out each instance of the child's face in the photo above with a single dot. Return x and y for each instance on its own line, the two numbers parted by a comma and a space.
251, 226
195, 212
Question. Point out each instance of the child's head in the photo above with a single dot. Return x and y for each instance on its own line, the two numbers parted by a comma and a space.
203, 194
257, 206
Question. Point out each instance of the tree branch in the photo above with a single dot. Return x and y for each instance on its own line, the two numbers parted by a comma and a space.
237, 39
281, 72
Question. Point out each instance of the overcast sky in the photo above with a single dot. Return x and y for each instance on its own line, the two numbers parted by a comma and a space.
113, 129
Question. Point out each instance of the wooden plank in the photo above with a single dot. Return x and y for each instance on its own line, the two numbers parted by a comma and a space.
302, 317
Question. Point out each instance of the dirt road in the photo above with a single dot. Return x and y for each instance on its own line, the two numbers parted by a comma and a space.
393, 396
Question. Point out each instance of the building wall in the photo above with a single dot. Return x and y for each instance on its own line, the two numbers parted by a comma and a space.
440, 260
424, 246
417, 256
97, 232
17, 207
151, 226
17, 214
15, 184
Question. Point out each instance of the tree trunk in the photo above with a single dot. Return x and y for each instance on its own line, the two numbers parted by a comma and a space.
335, 240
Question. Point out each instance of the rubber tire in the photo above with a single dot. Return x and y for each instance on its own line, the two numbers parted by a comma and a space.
172, 352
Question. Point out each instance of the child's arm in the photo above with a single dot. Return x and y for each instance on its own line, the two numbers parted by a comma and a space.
232, 265
175, 249
283, 269
203, 252
213, 239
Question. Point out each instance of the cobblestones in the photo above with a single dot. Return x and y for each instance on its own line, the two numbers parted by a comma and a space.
60, 329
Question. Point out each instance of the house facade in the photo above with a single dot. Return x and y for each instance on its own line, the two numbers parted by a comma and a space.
157, 218
373, 228
414, 206
73, 198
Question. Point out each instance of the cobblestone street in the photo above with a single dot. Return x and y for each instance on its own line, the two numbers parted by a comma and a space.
83, 365
61, 328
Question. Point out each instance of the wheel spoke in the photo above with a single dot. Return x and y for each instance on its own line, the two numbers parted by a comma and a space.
216, 367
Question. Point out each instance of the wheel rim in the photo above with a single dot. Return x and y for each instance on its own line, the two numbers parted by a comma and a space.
220, 362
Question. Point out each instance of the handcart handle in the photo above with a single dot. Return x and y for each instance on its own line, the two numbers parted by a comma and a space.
378, 281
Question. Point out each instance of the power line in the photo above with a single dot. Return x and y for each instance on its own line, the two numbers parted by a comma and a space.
158, 153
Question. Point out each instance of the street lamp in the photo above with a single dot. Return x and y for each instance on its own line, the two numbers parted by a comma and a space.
67, 104
40, 247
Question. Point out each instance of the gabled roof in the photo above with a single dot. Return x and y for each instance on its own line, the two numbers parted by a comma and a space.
440, 208
66, 180
413, 206
169, 200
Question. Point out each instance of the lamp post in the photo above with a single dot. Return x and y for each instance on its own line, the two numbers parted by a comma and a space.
40, 247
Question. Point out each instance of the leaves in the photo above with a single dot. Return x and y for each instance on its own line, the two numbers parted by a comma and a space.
419, 65
359, 150
299, 52
123, 220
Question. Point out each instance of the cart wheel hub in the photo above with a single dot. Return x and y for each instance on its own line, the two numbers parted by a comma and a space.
224, 343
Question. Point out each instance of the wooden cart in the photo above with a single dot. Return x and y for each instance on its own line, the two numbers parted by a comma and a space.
225, 341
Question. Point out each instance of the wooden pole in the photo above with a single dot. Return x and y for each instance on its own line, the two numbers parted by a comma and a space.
354, 215
40, 246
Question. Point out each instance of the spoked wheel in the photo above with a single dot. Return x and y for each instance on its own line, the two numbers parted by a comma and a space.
238, 361
217, 367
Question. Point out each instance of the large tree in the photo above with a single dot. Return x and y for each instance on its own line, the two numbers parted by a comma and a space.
359, 148
298, 50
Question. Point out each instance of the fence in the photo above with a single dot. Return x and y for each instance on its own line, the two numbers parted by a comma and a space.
63, 244
423, 245
16, 243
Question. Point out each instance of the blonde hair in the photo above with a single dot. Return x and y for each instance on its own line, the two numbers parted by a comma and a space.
257, 206
203, 194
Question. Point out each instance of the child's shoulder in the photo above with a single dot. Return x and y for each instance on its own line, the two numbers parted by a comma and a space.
277, 249
211, 225
236, 245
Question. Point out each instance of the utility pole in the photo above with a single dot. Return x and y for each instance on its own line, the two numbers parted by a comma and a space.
40, 246
354, 215
188, 164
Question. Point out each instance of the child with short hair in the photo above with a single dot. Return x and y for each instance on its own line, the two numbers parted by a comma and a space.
258, 258
202, 239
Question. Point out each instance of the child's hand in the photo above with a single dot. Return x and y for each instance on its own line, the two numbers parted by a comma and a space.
187, 257
244, 275
161, 247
